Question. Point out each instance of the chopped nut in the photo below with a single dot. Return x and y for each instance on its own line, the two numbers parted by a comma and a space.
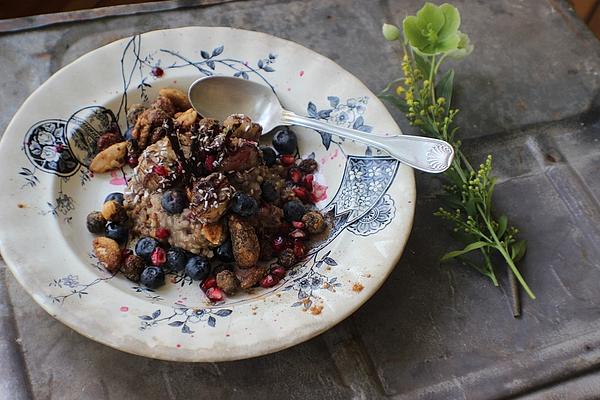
95, 222
287, 258
133, 112
308, 166
113, 211
246, 249
110, 158
133, 267
245, 157
242, 126
227, 281
186, 119
177, 97
108, 253
214, 233
148, 128
249, 277
107, 139
314, 222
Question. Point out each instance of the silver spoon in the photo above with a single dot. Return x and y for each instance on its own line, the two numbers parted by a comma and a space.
220, 96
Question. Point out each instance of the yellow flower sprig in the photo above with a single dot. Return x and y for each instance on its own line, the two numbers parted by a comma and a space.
425, 98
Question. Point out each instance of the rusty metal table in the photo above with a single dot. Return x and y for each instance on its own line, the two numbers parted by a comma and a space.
529, 95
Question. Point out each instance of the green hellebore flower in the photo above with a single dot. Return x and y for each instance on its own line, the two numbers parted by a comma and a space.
390, 32
434, 29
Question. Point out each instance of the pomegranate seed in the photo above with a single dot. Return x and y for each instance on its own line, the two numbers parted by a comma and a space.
278, 243
301, 193
159, 256
295, 175
59, 148
208, 283
308, 182
126, 253
269, 281
157, 72
160, 170
162, 233
299, 250
215, 294
132, 161
288, 159
278, 272
209, 162
298, 224
298, 234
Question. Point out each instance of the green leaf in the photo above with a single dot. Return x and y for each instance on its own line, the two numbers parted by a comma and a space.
444, 88
470, 206
395, 101
473, 246
518, 250
451, 201
502, 224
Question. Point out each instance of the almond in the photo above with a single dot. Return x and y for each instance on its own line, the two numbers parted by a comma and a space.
214, 233
109, 159
186, 119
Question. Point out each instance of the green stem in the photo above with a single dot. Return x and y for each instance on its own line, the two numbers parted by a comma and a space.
488, 264
439, 63
498, 246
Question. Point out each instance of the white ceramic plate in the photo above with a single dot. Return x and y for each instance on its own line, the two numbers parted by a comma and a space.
47, 191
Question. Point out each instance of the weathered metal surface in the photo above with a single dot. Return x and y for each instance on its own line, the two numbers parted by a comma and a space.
529, 94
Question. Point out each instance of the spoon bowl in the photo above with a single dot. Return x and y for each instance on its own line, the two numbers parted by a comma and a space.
220, 96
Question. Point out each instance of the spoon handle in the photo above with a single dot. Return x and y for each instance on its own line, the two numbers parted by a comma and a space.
422, 153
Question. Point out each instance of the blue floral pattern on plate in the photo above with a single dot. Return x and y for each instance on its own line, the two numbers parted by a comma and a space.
361, 205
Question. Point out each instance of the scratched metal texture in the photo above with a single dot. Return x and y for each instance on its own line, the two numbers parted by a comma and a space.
529, 95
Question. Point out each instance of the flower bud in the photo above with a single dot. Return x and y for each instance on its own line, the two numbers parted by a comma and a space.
390, 32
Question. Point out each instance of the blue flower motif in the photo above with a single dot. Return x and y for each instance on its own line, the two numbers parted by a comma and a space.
376, 219
70, 281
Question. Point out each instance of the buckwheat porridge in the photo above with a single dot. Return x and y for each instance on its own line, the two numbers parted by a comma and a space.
205, 199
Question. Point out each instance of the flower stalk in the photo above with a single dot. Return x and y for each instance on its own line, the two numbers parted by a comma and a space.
425, 97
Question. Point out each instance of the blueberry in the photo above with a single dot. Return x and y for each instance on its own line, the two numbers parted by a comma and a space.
152, 277
293, 210
128, 134
243, 205
116, 196
225, 252
269, 155
285, 141
197, 268
269, 191
117, 232
145, 246
177, 258
174, 201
